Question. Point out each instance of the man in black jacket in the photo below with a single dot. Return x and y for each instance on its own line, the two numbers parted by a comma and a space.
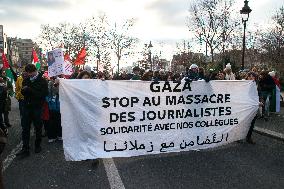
35, 89
265, 87
3, 96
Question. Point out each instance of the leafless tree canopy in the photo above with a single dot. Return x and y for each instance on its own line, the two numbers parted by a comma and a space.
212, 23
101, 39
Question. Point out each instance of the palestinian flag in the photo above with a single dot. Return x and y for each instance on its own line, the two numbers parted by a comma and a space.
35, 60
7, 68
275, 99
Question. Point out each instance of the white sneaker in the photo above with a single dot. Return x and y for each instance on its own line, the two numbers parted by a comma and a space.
51, 140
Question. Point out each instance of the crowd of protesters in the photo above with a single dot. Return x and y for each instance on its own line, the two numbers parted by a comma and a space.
6, 92
38, 95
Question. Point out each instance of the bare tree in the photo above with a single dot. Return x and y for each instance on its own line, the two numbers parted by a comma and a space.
66, 35
98, 41
121, 41
46, 37
71, 37
211, 22
273, 40
96, 34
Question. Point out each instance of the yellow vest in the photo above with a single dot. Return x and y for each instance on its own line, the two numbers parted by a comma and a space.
19, 87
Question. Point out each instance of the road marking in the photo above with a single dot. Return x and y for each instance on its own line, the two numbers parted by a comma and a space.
113, 176
7, 162
270, 133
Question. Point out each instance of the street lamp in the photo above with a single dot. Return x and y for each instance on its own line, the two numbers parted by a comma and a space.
98, 60
150, 54
245, 15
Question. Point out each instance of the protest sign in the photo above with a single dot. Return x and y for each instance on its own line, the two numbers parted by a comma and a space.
55, 60
104, 119
67, 68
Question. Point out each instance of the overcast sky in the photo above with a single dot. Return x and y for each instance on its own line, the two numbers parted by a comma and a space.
157, 20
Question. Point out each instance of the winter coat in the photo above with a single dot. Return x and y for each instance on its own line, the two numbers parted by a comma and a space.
10, 93
3, 96
34, 91
53, 97
266, 84
230, 76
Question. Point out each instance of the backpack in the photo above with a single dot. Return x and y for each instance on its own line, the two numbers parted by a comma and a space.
53, 103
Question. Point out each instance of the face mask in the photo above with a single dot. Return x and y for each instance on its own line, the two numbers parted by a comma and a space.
33, 78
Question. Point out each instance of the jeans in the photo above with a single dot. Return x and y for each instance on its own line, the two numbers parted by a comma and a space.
251, 128
265, 96
31, 115
21, 108
2, 126
6, 118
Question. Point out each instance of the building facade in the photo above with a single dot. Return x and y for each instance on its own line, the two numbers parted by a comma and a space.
3, 40
18, 51
25, 47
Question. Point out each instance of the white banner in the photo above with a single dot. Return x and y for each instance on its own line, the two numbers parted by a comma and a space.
104, 119
55, 60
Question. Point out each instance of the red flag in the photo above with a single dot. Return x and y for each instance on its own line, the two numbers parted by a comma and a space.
35, 58
80, 60
5, 61
67, 57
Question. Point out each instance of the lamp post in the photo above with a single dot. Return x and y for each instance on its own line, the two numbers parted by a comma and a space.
98, 60
64, 43
245, 15
150, 55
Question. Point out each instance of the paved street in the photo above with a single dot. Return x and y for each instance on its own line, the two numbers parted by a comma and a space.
238, 165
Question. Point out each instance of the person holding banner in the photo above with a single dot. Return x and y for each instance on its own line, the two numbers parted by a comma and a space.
147, 76
34, 90
221, 76
229, 75
251, 76
136, 73
192, 73
84, 75
156, 76
266, 86
54, 129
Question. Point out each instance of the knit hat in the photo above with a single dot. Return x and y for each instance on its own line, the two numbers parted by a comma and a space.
228, 66
193, 66
272, 73
88, 68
